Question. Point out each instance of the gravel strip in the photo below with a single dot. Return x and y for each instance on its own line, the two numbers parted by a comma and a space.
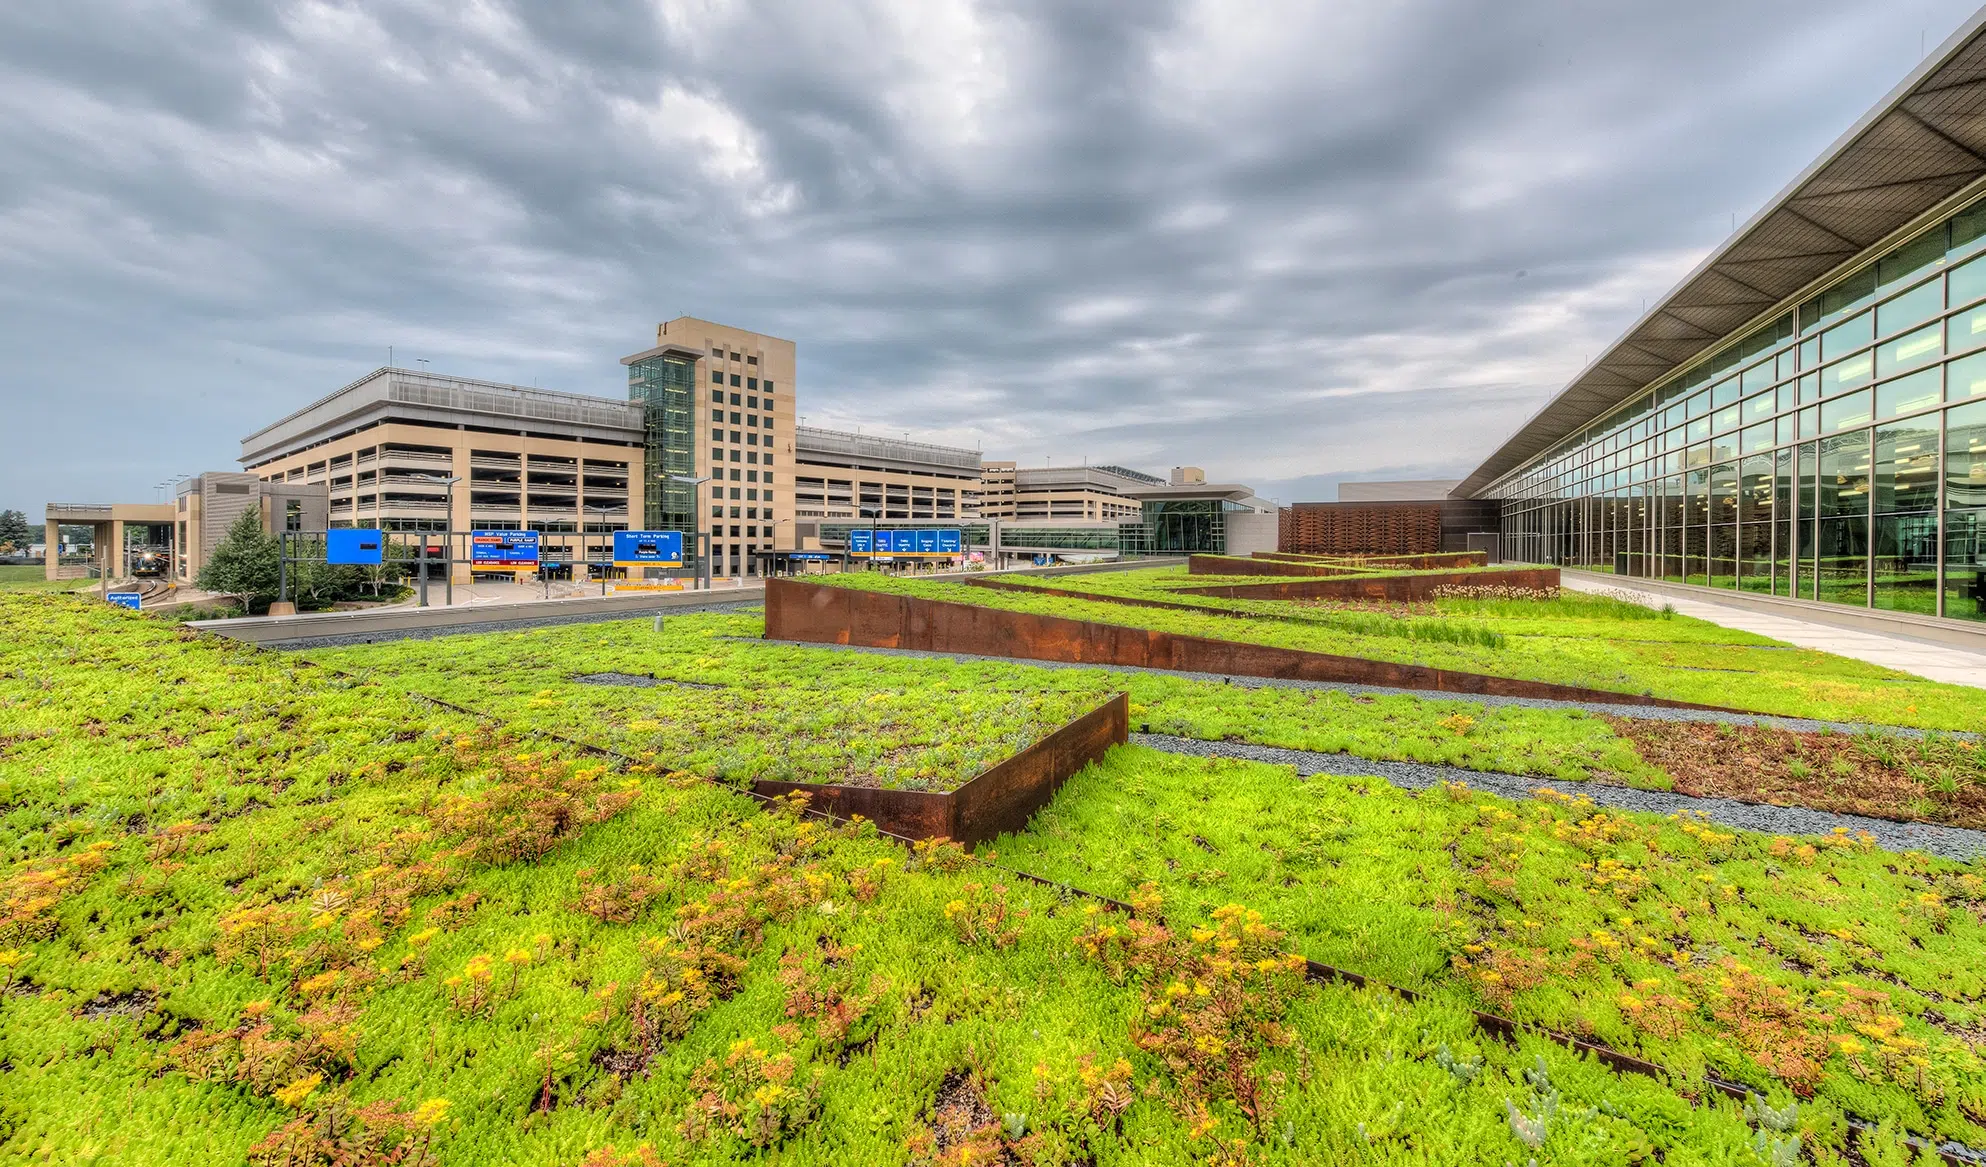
1648, 712
514, 625
1944, 842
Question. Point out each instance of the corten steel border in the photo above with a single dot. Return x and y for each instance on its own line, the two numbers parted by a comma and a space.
999, 799
1000, 585
1227, 565
1439, 559
825, 614
1394, 588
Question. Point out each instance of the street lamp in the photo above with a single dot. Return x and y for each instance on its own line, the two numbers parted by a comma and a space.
775, 541
872, 514
696, 522
448, 542
604, 509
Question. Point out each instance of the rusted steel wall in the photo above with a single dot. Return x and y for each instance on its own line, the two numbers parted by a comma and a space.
1003, 797
1428, 562
1226, 565
796, 610
914, 814
998, 585
1394, 588
1409, 562
1006, 796
1385, 528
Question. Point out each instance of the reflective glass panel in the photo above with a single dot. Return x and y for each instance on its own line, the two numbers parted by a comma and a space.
1758, 377
1913, 259
1848, 295
1912, 307
1967, 282
1724, 419
1782, 547
1906, 466
1755, 489
1846, 337
1965, 565
1965, 455
1723, 393
1920, 390
1759, 408
1910, 350
1968, 232
1810, 388
1844, 475
1965, 378
1724, 492
1903, 563
1841, 561
1756, 438
1966, 331
1856, 370
1845, 412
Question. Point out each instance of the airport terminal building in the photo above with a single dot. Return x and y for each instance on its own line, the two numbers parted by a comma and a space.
1804, 416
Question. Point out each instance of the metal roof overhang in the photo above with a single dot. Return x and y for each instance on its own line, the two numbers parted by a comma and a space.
671, 349
1922, 144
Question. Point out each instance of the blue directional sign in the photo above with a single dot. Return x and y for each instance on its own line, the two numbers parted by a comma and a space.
132, 600
648, 548
493, 550
353, 545
934, 542
811, 556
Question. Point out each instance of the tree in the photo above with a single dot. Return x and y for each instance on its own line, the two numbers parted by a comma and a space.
14, 531
318, 585
246, 565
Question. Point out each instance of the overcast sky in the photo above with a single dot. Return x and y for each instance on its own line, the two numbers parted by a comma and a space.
1289, 242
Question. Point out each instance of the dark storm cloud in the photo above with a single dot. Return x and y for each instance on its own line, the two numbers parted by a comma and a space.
1292, 243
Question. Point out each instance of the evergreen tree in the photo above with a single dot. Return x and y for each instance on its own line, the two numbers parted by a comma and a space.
246, 565
14, 530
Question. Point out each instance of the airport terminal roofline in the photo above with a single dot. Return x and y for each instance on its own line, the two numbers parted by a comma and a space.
387, 394
1920, 147
902, 451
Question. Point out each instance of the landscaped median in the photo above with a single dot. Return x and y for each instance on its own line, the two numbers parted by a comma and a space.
1584, 642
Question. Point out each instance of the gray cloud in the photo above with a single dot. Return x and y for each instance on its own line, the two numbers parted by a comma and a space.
1290, 242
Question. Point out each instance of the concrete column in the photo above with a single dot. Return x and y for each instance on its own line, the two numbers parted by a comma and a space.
117, 564
51, 559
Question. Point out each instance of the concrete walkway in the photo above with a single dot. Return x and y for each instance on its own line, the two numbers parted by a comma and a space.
1907, 654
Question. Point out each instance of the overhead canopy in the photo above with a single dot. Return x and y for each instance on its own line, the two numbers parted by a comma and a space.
1923, 143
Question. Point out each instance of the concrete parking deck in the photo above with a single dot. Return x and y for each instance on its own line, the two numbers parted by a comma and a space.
1896, 650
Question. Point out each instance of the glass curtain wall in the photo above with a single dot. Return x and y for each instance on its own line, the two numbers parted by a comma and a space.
1835, 453
666, 388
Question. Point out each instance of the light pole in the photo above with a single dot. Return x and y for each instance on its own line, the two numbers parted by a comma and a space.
872, 514
696, 523
775, 539
603, 509
448, 542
